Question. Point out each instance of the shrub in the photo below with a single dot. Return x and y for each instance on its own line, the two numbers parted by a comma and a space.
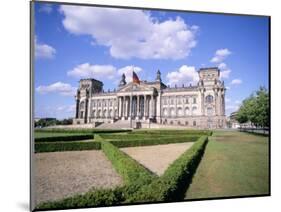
101, 197
174, 182
65, 138
65, 146
131, 171
79, 130
153, 141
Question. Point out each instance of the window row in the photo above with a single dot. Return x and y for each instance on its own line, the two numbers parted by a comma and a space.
104, 102
180, 111
178, 100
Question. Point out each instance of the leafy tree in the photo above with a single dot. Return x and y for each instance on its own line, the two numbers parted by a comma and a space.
255, 109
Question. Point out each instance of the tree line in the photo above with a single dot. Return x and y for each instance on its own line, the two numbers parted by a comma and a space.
255, 109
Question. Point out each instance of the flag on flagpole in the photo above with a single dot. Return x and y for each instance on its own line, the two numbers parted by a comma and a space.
135, 78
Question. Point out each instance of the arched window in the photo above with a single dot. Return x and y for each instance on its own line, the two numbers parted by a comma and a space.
172, 112
194, 123
209, 111
180, 111
110, 113
82, 105
209, 99
186, 111
93, 113
186, 123
194, 110
104, 113
165, 112
99, 114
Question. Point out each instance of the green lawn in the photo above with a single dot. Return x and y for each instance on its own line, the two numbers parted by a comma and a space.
234, 164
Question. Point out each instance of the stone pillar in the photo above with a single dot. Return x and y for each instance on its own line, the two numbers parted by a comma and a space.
202, 102
107, 113
151, 107
127, 106
122, 107
176, 105
158, 108
138, 107
77, 108
86, 110
216, 102
144, 107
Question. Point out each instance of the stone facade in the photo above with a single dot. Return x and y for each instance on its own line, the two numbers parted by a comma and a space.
200, 106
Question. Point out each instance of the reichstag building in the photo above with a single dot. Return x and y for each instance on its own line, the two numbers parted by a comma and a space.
142, 102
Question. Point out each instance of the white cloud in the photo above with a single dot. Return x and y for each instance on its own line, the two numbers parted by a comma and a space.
44, 51
46, 8
236, 82
99, 72
58, 87
131, 33
128, 71
66, 108
185, 75
224, 71
220, 55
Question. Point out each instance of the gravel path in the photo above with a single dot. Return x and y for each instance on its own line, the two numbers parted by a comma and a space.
62, 174
157, 158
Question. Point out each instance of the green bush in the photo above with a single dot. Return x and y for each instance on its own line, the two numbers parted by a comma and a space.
128, 136
175, 132
173, 183
101, 197
153, 141
131, 171
79, 130
65, 146
65, 138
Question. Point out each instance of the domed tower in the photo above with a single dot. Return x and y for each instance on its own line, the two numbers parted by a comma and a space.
158, 76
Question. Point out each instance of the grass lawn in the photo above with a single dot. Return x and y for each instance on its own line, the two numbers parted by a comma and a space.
234, 164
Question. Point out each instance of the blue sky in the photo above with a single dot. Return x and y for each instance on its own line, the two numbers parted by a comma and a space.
74, 42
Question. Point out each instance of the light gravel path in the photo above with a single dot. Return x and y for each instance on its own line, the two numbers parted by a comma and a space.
62, 174
157, 158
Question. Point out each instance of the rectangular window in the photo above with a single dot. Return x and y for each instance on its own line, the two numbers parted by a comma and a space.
194, 100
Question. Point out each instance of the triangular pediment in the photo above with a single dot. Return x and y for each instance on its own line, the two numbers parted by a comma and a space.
135, 87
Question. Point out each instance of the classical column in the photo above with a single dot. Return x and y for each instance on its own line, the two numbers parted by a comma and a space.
77, 108
176, 111
86, 110
107, 114
126, 106
144, 107
151, 106
138, 106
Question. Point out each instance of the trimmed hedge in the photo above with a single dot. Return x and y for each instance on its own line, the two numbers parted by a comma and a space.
131, 171
172, 185
175, 132
142, 136
79, 130
101, 197
153, 141
65, 138
65, 146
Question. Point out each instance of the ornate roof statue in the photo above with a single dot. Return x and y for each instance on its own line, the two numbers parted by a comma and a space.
122, 81
158, 76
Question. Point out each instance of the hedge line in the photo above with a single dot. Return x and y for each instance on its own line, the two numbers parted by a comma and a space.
65, 146
173, 183
78, 130
65, 138
177, 132
143, 136
153, 141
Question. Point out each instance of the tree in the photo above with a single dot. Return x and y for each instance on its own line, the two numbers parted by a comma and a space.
255, 109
